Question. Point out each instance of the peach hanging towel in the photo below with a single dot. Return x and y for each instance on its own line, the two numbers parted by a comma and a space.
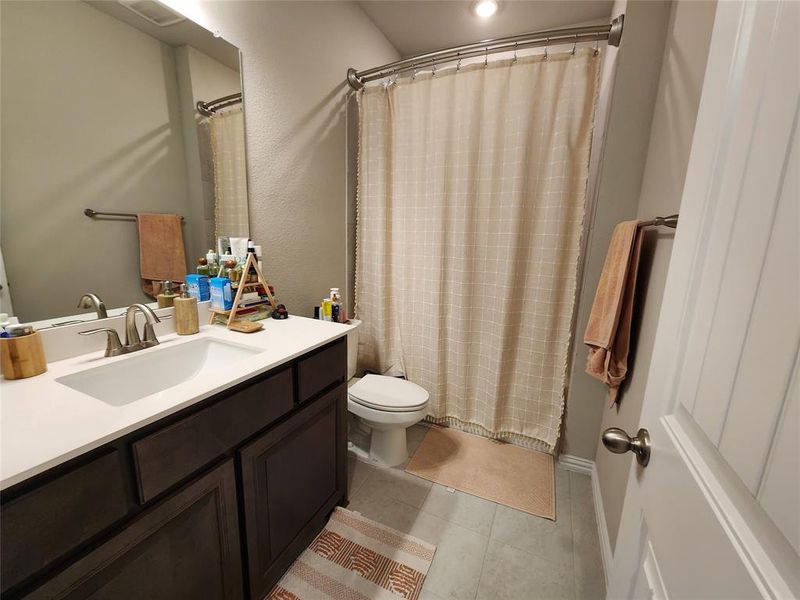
609, 329
161, 253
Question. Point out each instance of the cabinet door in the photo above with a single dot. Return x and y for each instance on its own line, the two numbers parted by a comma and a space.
185, 547
292, 478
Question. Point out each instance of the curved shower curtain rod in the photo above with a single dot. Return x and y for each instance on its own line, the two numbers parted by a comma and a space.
592, 33
209, 108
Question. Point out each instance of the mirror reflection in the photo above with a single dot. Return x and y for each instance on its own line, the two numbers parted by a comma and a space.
123, 154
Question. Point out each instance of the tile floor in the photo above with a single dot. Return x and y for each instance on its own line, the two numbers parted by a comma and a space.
487, 551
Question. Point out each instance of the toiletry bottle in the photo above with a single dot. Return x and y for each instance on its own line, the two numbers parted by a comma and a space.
233, 271
336, 309
252, 275
167, 296
202, 266
327, 309
186, 319
211, 261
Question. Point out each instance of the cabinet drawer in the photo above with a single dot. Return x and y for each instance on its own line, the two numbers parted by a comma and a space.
320, 370
167, 456
49, 521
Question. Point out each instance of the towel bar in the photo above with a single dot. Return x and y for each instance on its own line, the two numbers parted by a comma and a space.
93, 213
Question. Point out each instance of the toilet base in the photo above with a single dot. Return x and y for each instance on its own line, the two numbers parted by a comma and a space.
388, 447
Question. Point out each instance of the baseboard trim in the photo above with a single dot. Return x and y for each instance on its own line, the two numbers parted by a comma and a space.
577, 464
568, 462
602, 526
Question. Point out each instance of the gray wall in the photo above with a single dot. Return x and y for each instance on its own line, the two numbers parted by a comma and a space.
294, 57
634, 89
90, 118
680, 84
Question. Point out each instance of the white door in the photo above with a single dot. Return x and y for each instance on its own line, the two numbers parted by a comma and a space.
716, 512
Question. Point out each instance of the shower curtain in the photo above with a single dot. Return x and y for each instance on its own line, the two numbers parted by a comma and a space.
230, 173
471, 193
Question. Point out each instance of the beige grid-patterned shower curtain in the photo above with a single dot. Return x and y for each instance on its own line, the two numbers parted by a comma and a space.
231, 215
471, 196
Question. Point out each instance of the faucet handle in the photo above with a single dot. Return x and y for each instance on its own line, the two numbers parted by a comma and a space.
113, 345
150, 338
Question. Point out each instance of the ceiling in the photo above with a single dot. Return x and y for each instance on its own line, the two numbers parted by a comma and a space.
185, 32
415, 26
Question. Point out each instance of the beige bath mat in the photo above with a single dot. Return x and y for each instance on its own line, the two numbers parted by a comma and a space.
356, 558
503, 473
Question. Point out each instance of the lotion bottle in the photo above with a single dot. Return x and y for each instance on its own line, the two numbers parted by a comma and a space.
167, 296
186, 319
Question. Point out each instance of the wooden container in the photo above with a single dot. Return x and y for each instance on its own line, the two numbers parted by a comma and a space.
23, 356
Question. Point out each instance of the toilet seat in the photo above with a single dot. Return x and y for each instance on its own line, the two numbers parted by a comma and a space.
390, 394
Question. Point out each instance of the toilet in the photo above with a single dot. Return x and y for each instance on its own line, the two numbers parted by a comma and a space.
386, 405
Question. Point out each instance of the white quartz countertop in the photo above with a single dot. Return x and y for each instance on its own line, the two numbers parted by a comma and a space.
44, 423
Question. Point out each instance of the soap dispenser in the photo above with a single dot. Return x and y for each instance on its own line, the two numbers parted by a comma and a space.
186, 319
167, 296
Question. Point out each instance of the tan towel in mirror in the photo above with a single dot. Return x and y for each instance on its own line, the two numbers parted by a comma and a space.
609, 329
161, 253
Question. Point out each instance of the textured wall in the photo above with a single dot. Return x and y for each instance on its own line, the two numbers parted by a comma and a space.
294, 59
634, 88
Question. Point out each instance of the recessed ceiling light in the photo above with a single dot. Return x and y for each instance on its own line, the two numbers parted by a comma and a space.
485, 8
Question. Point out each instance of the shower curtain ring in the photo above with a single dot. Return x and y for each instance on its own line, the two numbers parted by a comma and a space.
546, 44
574, 44
596, 44
486, 57
433, 70
458, 64
515, 53
414, 74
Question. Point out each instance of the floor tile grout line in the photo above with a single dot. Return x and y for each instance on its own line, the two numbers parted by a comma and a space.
483, 562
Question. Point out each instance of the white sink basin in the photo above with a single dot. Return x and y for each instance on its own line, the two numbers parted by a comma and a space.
153, 371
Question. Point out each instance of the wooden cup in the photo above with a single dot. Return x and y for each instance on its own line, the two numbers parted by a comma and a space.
23, 356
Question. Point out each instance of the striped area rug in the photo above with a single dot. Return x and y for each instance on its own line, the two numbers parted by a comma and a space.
355, 558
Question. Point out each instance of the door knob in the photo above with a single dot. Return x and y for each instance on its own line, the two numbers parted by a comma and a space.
619, 442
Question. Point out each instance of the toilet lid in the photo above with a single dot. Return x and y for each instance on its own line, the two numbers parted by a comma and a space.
388, 393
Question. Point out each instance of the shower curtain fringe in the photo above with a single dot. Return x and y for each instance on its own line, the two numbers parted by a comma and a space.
508, 437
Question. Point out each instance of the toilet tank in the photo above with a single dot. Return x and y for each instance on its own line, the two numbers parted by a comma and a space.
352, 348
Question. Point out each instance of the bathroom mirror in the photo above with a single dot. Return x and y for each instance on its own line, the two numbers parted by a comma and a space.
99, 108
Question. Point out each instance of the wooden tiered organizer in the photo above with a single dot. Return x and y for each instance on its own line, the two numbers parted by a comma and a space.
262, 281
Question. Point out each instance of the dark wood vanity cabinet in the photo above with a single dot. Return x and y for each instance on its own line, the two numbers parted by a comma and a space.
184, 547
291, 480
213, 502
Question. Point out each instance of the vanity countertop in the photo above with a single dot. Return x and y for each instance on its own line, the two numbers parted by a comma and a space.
44, 423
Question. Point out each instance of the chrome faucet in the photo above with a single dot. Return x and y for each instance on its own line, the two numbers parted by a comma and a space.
132, 340
92, 300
